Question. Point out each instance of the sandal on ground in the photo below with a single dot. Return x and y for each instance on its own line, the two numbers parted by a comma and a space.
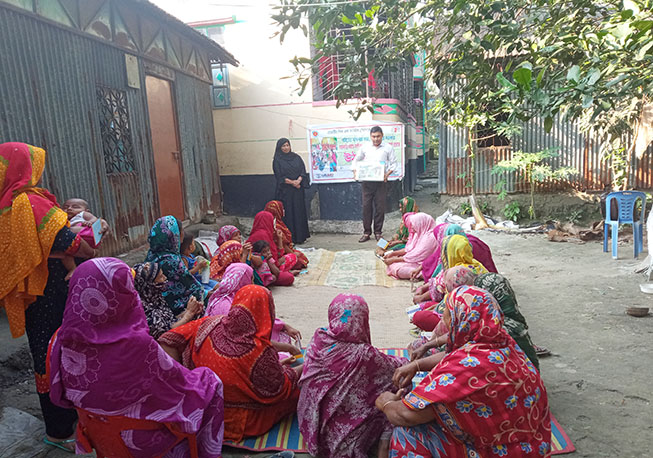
61, 444
542, 351
364, 238
415, 332
285, 454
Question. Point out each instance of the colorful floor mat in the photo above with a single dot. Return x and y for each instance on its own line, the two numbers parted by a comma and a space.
345, 269
285, 435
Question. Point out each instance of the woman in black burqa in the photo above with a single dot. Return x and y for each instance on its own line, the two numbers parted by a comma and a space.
292, 179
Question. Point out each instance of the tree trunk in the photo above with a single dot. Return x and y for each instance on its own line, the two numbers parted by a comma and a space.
481, 223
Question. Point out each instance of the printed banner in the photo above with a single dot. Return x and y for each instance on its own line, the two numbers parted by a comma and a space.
333, 147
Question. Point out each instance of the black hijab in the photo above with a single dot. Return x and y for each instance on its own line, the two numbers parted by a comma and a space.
288, 165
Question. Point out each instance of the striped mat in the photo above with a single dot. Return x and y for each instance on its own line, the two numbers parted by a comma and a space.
285, 435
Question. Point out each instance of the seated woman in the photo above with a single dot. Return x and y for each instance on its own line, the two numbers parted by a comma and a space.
258, 390
236, 276
406, 205
104, 361
432, 266
484, 398
455, 250
266, 271
421, 243
150, 282
165, 244
276, 208
514, 321
430, 319
229, 252
227, 233
264, 228
341, 365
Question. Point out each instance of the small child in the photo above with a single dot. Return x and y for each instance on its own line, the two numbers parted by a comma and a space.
195, 265
265, 269
80, 219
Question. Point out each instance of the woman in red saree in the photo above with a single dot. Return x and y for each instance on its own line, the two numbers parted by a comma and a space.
484, 398
276, 208
264, 228
258, 390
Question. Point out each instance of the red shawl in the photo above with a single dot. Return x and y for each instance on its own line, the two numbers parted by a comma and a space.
263, 229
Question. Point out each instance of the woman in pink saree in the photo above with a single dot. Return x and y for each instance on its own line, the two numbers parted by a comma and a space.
236, 276
104, 361
421, 244
343, 374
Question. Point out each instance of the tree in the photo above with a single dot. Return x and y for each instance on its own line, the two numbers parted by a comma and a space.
497, 62
532, 169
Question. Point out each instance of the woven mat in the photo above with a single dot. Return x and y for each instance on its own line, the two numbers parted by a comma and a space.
285, 435
345, 269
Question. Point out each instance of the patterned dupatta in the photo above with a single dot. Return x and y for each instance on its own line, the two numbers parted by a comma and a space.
343, 375
276, 208
30, 219
104, 360
228, 253
485, 391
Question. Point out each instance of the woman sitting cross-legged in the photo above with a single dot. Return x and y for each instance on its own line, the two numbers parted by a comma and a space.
343, 375
104, 362
258, 390
484, 398
421, 243
150, 282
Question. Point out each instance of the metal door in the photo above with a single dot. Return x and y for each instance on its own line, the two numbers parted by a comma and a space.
165, 142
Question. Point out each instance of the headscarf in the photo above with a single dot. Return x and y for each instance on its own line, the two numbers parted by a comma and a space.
450, 279
160, 317
421, 241
226, 233
30, 219
228, 253
514, 321
236, 276
103, 360
276, 208
237, 348
406, 205
485, 392
455, 251
432, 265
342, 377
263, 229
164, 250
288, 165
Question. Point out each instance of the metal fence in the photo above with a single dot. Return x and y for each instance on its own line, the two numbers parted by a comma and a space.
575, 149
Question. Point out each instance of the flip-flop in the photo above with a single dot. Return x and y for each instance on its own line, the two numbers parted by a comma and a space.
542, 351
61, 444
415, 332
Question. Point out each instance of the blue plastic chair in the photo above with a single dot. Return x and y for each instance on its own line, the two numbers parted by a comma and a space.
626, 201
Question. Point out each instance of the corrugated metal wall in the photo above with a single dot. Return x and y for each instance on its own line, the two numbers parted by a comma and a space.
48, 98
575, 150
197, 138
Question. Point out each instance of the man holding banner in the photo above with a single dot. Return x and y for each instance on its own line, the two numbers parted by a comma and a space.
373, 165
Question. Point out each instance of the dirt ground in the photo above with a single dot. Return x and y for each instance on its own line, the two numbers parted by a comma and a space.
573, 296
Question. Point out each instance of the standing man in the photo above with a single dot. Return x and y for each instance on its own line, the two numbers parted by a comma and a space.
374, 191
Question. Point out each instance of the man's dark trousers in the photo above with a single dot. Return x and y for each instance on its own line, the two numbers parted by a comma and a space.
373, 204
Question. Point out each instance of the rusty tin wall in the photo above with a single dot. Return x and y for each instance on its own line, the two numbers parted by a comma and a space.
197, 140
48, 98
575, 149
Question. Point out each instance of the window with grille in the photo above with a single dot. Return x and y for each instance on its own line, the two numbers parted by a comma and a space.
117, 145
220, 91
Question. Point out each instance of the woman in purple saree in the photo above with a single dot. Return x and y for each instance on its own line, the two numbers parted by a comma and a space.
343, 374
104, 361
